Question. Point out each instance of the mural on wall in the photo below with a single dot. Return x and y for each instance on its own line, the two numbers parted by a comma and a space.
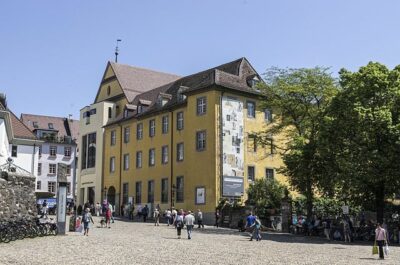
233, 146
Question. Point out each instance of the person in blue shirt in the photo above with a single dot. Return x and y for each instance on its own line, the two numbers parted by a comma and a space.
250, 221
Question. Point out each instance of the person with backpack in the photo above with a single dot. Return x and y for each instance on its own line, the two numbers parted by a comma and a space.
86, 219
179, 224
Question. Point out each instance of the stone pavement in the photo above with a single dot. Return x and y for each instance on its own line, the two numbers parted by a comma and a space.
139, 243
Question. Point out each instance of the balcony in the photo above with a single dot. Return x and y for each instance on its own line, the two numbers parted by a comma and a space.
58, 140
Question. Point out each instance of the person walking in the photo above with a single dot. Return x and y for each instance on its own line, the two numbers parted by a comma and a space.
189, 222
250, 222
112, 209
87, 218
200, 219
217, 217
145, 213
257, 228
174, 213
179, 224
156, 216
98, 207
168, 216
381, 239
346, 231
327, 228
108, 217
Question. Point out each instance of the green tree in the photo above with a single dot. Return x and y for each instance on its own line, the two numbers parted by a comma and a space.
361, 136
299, 98
265, 194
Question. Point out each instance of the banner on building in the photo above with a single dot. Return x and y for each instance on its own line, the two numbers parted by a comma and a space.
232, 186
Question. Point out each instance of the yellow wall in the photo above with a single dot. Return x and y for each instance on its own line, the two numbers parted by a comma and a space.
198, 168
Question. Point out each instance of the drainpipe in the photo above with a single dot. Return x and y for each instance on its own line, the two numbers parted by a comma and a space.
33, 160
221, 146
74, 175
120, 170
172, 156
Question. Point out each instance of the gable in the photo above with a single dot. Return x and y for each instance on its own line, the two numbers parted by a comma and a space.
109, 87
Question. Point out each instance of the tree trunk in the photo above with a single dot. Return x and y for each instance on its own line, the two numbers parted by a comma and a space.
380, 202
309, 200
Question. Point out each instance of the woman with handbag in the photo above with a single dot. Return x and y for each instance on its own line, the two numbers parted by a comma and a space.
380, 238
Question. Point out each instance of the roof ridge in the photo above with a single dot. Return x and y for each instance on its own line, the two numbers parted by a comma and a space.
143, 68
47, 116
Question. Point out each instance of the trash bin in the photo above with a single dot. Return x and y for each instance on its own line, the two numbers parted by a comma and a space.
72, 223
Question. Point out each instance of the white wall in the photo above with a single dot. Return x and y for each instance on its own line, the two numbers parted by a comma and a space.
24, 157
4, 144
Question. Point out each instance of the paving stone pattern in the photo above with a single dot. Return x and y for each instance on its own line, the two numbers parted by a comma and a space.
139, 243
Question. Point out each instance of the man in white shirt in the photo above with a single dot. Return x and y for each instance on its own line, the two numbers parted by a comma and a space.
189, 222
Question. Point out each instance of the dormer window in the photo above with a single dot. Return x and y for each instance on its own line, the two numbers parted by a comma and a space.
126, 113
51, 126
35, 124
181, 96
139, 109
253, 82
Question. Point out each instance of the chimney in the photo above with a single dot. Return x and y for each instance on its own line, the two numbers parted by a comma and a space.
3, 100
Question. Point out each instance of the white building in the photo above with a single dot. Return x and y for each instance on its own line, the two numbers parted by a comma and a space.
23, 146
59, 136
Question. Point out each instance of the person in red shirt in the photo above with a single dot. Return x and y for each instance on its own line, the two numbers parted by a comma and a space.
108, 217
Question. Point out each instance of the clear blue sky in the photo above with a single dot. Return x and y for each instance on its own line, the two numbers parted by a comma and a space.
53, 53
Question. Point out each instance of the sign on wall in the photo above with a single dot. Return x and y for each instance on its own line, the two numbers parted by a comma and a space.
232, 186
200, 195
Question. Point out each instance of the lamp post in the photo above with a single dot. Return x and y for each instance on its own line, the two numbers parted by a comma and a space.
173, 195
105, 193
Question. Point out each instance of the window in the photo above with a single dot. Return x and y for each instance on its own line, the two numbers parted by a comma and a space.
14, 150
201, 141
38, 185
39, 169
113, 137
179, 152
138, 159
152, 157
112, 164
152, 128
125, 190
138, 194
51, 126
109, 112
139, 109
89, 151
52, 169
251, 109
252, 143
126, 161
53, 150
51, 186
67, 151
108, 90
139, 131
164, 154
164, 190
127, 134
268, 115
201, 105
35, 125
92, 112
269, 173
179, 189
251, 173
68, 170
150, 191
165, 124
40, 150
271, 146
68, 188
179, 121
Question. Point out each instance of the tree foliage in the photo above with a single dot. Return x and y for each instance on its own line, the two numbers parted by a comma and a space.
360, 137
265, 194
299, 98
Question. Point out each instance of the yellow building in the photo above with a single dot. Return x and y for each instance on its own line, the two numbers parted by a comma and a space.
188, 142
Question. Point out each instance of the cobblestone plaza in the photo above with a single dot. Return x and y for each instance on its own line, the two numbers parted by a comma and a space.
143, 243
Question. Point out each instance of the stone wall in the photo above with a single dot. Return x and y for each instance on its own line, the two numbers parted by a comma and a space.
17, 196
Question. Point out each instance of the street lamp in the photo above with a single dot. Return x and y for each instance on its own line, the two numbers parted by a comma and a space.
105, 192
173, 195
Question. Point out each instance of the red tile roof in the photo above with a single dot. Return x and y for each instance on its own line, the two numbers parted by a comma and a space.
19, 128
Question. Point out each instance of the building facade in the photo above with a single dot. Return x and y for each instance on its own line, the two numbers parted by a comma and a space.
190, 142
119, 85
59, 136
23, 145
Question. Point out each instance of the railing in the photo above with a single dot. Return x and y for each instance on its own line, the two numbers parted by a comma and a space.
59, 140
